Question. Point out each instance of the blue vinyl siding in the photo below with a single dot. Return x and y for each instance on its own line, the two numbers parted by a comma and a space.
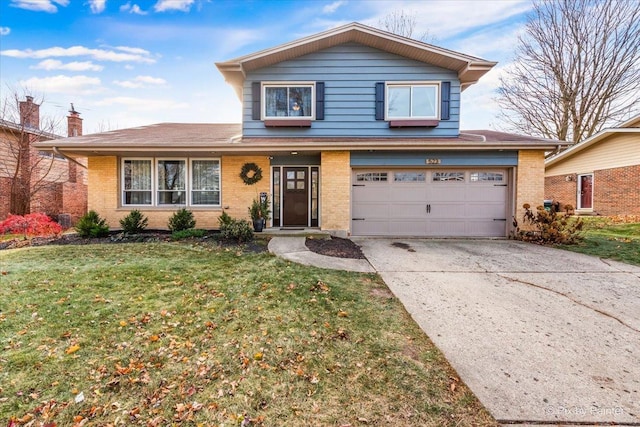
447, 158
350, 72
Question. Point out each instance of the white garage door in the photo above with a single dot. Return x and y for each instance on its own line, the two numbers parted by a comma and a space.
433, 203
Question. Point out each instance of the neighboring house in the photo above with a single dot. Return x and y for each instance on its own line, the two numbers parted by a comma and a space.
59, 186
355, 130
600, 175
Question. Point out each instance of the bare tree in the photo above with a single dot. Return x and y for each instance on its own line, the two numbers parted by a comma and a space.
576, 69
23, 169
403, 24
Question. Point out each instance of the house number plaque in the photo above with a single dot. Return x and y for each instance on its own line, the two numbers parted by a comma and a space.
433, 161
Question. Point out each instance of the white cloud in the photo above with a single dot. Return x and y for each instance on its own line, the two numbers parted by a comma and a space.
140, 104
167, 5
140, 81
97, 6
135, 9
133, 50
331, 8
445, 19
493, 43
235, 39
70, 85
49, 6
4, 31
97, 54
54, 64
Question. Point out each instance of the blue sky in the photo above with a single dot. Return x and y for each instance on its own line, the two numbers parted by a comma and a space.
127, 63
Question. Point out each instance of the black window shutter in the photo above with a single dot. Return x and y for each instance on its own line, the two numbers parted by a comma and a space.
445, 100
255, 100
380, 101
319, 100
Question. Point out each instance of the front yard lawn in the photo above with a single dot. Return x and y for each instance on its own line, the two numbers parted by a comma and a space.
607, 238
160, 334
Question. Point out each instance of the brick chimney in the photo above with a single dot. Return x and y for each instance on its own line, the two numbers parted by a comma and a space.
74, 123
29, 113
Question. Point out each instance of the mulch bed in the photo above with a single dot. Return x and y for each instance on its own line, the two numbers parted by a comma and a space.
336, 247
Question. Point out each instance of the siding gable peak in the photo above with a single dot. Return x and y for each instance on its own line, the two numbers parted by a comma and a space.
469, 68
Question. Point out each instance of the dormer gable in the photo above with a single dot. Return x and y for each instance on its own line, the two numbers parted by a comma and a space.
469, 69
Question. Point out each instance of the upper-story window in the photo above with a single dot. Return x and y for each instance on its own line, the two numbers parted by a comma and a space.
412, 101
294, 100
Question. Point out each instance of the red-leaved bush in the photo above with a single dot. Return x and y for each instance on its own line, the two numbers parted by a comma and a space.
31, 225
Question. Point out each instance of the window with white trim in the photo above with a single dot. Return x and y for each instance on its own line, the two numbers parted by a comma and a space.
205, 182
137, 182
171, 182
412, 101
162, 182
288, 101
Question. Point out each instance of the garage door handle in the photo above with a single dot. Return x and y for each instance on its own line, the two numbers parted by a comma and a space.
357, 185
499, 219
357, 219
428, 208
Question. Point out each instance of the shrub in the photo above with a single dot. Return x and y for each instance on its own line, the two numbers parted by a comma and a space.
259, 209
182, 220
91, 225
550, 226
224, 218
134, 223
237, 230
30, 225
185, 234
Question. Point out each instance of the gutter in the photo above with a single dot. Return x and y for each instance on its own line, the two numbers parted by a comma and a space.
60, 153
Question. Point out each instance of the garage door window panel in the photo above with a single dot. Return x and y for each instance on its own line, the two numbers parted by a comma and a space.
371, 177
486, 177
447, 177
409, 177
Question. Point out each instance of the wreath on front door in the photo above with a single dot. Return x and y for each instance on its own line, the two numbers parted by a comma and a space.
250, 173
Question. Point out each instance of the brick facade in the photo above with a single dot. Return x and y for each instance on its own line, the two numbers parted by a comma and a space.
529, 181
615, 191
236, 196
335, 192
58, 185
560, 189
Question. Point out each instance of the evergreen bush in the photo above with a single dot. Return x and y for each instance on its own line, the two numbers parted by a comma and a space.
182, 220
91, 225
134, 223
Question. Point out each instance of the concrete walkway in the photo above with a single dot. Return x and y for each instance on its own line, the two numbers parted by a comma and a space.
293, 248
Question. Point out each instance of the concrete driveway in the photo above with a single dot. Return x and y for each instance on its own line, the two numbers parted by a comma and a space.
540, 335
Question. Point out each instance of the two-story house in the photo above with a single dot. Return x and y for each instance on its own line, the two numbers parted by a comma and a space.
35, 181
353, 130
